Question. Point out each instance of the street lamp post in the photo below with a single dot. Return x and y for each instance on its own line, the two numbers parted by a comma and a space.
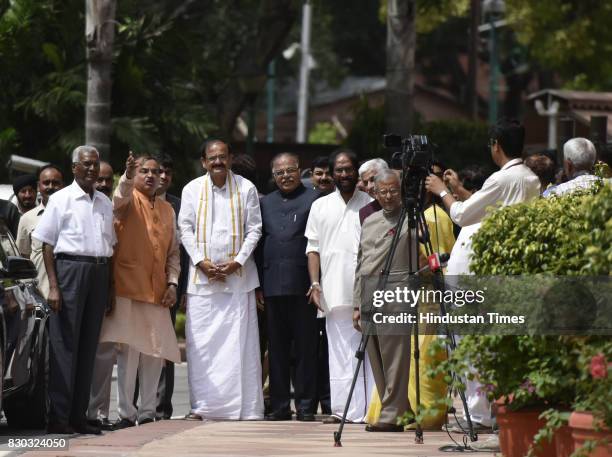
302, 113
493, 10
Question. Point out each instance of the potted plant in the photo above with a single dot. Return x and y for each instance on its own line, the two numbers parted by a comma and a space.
536, 380
591, 421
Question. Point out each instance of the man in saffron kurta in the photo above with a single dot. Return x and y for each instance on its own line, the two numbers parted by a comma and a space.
220, 224
146, 270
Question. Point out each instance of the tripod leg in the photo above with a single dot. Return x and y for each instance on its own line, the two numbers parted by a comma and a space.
418, 434
360, 354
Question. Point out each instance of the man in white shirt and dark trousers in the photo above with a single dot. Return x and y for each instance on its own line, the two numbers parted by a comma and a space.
78, 235
513, 183
333, 233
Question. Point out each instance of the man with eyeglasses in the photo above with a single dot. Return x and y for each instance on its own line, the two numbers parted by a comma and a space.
333, 232
283, 274
77, 233
389, 354
220, 224
513, 183
368, 172
146, 270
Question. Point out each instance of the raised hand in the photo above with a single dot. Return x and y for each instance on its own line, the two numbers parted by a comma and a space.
130, 166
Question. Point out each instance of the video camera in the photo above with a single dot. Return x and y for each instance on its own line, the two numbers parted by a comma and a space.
416, 156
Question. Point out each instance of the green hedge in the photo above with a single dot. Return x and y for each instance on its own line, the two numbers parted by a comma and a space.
566, 235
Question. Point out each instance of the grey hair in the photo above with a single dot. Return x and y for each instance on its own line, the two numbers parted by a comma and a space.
385, 175
373, 164
76, 154
581, 152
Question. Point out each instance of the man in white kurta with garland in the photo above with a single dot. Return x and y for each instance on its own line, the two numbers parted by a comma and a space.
333, 231
220, 225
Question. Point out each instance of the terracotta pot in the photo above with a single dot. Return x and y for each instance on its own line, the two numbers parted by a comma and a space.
564, 443
582, 427
517, 429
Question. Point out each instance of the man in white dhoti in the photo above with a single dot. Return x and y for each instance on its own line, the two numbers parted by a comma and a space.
333, 232
220, 225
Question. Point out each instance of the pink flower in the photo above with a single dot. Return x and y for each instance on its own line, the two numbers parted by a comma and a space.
528, 386
599, 369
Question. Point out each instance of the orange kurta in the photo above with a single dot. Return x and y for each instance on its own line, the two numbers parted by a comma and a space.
145, 231
146, 258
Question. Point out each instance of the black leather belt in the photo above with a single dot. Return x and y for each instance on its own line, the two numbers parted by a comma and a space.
83, 258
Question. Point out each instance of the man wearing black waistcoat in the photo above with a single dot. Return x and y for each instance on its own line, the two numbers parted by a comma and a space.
284, 277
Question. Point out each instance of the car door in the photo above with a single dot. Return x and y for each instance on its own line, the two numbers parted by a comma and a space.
19, 307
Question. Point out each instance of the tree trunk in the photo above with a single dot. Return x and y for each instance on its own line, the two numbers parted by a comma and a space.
99, 35
401, 44
273, 25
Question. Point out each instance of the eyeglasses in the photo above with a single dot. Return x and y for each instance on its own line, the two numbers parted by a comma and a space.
492, 142
391, 192
286, 171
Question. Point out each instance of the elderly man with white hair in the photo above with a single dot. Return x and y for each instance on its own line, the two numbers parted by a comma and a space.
367, 173
77, 233
579, 156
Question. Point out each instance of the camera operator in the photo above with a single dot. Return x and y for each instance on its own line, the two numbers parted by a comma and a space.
513, 183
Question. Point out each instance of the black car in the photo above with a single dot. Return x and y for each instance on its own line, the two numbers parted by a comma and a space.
24, 339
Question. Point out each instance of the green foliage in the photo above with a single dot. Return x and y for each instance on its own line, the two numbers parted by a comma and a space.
433, 13
567, 235
555, 419
167, 75
365, 137
458, 142
323, 133
179, 324
569, 37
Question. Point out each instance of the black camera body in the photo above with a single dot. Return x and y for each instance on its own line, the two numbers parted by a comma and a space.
416, 156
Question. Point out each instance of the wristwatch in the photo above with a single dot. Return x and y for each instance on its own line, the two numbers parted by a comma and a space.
444, 193
315, 284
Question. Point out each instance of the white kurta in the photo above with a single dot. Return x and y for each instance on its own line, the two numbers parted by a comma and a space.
222, 337
513, 183
333, 230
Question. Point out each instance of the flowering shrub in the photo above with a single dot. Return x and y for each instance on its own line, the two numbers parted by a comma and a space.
594, 385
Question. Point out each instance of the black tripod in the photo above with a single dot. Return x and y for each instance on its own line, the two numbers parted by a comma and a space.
412, 212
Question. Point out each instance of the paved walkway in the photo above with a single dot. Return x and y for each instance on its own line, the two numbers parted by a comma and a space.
185, 438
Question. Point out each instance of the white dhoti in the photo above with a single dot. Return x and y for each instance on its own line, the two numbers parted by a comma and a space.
223, 356
343, 342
